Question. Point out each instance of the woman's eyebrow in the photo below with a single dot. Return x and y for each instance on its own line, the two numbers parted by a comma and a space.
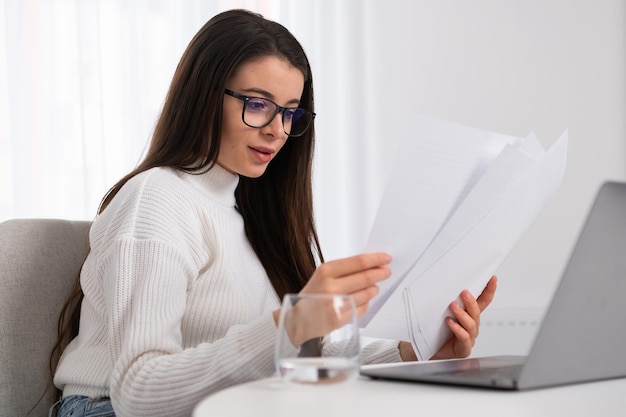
267, 94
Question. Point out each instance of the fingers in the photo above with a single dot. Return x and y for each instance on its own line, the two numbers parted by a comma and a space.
466, 323
462, 341
361, 280
465, 328
468, 319
474, 307
471, 305
485, 298
354, 264
363, 297
350, 275
357, 275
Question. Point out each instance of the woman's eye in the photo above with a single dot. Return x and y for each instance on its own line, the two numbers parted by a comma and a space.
294, 114
257, 105
290, 113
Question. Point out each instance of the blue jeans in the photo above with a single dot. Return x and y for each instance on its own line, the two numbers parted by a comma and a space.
79, 406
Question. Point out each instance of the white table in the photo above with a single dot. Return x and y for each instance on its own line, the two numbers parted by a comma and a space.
366, 397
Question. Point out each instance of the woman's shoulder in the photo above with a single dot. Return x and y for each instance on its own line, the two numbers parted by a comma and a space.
155, 207
156, 197
168, 195
158, 186
165, 197
216, 184
158, 178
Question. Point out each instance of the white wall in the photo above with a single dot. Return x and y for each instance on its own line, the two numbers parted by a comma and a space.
509, 66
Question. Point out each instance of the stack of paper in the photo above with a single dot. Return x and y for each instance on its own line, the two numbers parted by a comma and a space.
457, 202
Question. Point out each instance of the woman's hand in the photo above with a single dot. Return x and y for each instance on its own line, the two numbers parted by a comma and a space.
357, 276
465, 327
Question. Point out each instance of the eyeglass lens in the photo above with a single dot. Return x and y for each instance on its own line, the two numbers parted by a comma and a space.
259, 112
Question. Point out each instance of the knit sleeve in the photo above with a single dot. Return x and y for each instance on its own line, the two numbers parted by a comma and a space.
380, 351
152, 374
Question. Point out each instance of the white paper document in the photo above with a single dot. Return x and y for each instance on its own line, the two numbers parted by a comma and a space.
457, 201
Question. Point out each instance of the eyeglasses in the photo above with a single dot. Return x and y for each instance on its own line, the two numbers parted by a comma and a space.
259, 112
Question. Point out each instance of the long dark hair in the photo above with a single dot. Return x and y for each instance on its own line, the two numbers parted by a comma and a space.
277, 207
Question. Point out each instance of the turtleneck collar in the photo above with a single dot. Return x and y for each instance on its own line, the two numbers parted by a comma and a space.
218, 184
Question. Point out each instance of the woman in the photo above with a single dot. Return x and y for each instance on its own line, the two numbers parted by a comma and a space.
192, 251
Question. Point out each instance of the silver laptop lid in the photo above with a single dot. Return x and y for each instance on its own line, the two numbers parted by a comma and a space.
583, 334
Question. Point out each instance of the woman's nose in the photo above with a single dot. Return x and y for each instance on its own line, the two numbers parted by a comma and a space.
276, 128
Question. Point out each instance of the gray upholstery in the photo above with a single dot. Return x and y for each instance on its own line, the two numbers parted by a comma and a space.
39, 260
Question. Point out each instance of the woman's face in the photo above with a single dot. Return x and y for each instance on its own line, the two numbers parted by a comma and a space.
245, 150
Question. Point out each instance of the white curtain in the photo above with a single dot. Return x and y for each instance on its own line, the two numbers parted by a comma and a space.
82, 83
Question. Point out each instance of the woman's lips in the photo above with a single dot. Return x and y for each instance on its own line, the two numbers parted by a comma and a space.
261, 154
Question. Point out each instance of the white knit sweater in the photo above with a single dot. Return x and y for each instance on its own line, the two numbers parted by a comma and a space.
177, 304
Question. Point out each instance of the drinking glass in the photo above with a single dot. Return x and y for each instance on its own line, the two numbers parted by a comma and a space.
318, 339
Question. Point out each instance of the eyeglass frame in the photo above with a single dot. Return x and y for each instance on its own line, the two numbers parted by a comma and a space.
279, 109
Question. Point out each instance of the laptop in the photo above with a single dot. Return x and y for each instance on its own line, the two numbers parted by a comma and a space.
583, 334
